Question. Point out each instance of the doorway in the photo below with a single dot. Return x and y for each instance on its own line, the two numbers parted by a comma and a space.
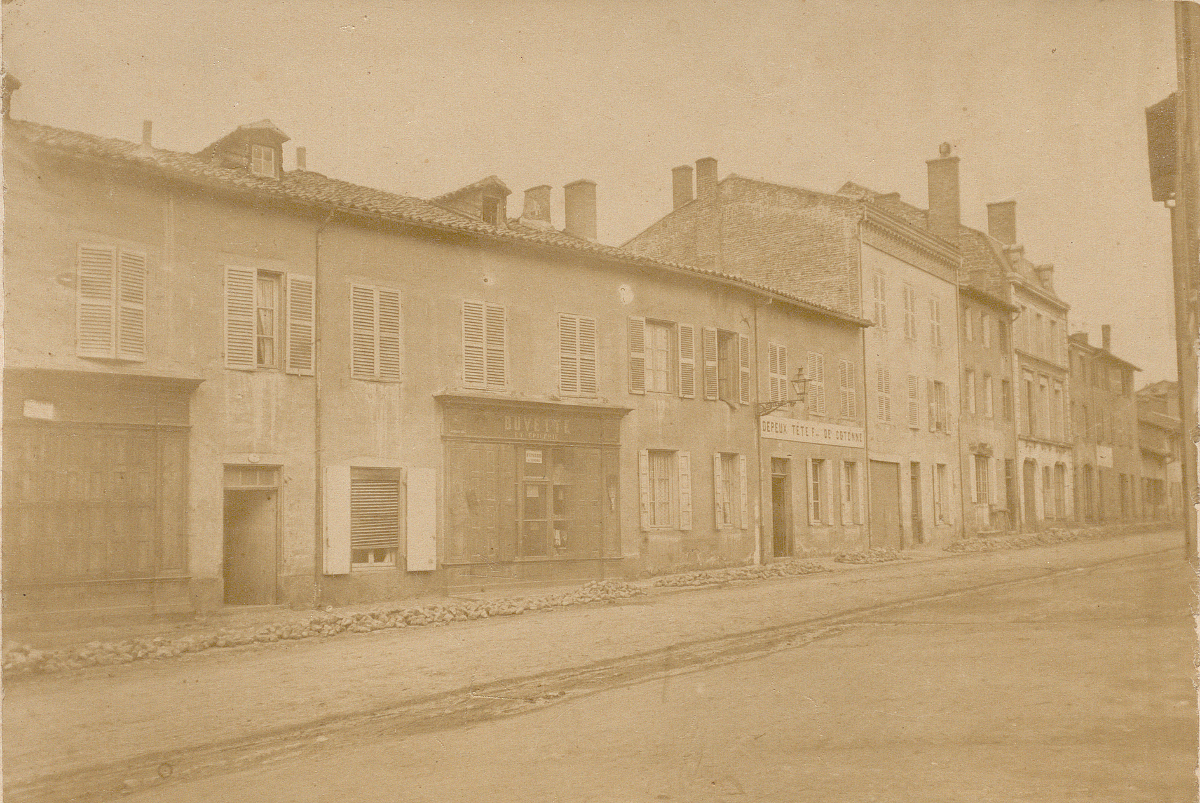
251, 517
781, 507
1030, 471
886, 516
918, 532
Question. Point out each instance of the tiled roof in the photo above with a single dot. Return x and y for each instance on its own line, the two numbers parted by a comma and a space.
309, 188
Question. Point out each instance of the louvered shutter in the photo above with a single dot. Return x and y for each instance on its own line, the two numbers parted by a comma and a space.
374, 512
637, 355
718, 490
685, 489
301, 317
95, 296
879, 403
847, 395
816, 382
812, 498
687, 361
743, 369
773, 370
364, 332
846, 499
239, 318
474, 354
587, 357
497, 347
783, 369
744, 491
933, 412
914, 409
131, 314
711, 388
389, 333
644, 486
568, 355
887, 394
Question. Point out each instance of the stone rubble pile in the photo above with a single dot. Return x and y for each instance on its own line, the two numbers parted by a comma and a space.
877, 555
23, 659
783, 568
1053, 535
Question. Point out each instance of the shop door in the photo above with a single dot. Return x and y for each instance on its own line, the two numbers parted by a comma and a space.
781, 508
886, 515
251, 538
1030, 469
918, 532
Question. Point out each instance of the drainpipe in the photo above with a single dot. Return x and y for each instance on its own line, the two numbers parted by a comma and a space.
318, 507
758, 530
862, 339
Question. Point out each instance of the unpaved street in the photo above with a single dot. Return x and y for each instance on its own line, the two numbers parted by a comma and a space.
1070, 688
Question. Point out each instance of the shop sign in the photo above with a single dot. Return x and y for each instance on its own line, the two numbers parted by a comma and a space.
1104, 456
789, 429
521, 425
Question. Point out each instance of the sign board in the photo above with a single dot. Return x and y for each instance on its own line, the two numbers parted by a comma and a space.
1104, 456
819, 432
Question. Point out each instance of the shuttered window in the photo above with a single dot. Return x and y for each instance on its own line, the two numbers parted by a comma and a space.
711, 384
485, 349
935, 323
255, 311
576, 355
375, 333
816, 383
883, 393
637, 355
301, 319
880, 302
914, 407
687, 361
374, 516
743, 369
110, 303
910, 313
847, 391
777, 370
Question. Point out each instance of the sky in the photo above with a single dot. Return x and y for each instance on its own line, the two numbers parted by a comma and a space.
1042, 100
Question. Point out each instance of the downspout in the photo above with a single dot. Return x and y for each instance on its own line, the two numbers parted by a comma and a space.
862, 214
758, 529
319, 507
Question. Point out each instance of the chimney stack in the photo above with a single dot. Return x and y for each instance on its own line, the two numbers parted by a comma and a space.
1106, 337
1002, 221
301, 158
146, 149
11, 85
944, 209
580, 202
706, 180
536, 212
1045, 274
681, 183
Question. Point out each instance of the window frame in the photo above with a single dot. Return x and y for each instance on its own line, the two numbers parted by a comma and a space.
377, 475
259, 161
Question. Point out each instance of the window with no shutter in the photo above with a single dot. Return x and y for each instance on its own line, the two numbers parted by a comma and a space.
110, 307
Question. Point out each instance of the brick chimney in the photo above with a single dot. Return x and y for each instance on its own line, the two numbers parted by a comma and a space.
537, 207
580, 202
681, 185
11, 85
706, 180
301, 158
1002, 221
146, 148
1106, 337
1045, 274
944, 209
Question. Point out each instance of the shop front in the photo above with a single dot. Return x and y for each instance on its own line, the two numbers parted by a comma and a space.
531, 492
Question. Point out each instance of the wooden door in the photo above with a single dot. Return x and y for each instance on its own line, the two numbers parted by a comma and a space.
918, 531
886, 515
1030, 472
251, 541
781, 508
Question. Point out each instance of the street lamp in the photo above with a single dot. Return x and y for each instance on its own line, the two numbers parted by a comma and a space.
799, 384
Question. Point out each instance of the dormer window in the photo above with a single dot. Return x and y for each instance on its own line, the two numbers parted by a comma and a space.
262, 161
493, 210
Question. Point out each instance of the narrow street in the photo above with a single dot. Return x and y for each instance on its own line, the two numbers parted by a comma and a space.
1072, 687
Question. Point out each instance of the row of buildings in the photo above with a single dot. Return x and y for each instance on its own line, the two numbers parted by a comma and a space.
227, 383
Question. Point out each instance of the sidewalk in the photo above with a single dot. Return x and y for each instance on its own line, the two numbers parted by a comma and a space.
61, 722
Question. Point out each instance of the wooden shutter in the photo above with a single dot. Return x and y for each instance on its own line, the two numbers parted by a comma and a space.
887, 394
718, 490
684, 461
474, 354
637, 357
744, 491
816, 382
914, 408
335, 513
711, 388
95, 297
364, 332
420, 542
743, 369
388, 349
879, 398
687, 361
808, 492
644, 486
587, 357
374, 511
568, 355
848, 393
846, 504
301, 317
131, 312
497, 345
239, 318
933, 412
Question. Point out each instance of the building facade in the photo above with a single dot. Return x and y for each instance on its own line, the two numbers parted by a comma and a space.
1159, 442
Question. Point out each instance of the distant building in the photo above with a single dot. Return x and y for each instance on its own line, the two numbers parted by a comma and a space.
1159, 439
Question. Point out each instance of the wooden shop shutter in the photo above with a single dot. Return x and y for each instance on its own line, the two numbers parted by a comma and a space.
687, 361
239, 318
711, 388
744, 369
684, 460
301, 317
637, 365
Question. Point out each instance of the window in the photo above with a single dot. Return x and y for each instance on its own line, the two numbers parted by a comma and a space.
1029, 406
485, 347
914, 411
1052, 350
851, 512
576, 355
816, 492
969, 390
988, 394
267, 313
662, 354
665, 480
969, 324
985, 329
492, 210
1002, 334
941, 493
777, 370
883, 393
1060, 490
982, 473
1056, 411
910, 313
939, 413
110, 303
658, 357
816, 383
1006, 399
849, 394
375, 333
262, 161
880, 302
1045, 430
1047, 497
374, 517
729, 489
935, 323
660, 488
726, 366
1039, 334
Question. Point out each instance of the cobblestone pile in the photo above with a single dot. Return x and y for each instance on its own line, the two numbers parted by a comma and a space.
783, 568
877, 555
1053, 535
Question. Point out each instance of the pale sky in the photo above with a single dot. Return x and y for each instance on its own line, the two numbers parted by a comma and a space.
1043, 100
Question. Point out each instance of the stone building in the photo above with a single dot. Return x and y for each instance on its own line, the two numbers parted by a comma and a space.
1159, 442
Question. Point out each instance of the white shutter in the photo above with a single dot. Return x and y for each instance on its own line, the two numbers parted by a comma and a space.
95, 297
587, 357
239, 318
808, 492
474, 356
388, 350
933, 411
711, 388
844, 409
497, 345
335, 512
364, 332
131, 313
744, 490
718, 490
684, 460
880, 407
421, 525
773, 371
568, 355
301, 317
744, 369
637, 356
644, 486
914, 407
847, 514
687, 361
993, 489
816, 382
887, 393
